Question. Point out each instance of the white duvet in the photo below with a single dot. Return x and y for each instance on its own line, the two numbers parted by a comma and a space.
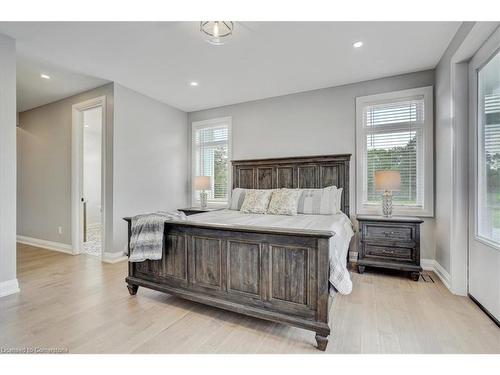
339, 242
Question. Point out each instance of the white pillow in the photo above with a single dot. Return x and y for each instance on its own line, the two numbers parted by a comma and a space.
284, 202
324, 201
237, 198
256, 201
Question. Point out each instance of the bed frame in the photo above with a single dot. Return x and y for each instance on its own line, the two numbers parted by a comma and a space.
277, 275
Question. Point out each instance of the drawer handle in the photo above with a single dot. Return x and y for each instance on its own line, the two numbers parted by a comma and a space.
388, 251
389, 233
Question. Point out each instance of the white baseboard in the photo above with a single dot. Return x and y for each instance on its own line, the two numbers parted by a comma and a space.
44, 244
113, 257
9, 287
67, 249
427, 264
433, 265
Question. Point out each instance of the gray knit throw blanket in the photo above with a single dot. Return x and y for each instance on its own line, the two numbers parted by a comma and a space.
146, 241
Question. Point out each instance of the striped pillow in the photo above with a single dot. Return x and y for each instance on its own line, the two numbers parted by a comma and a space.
237, 198
338, 202
324, 201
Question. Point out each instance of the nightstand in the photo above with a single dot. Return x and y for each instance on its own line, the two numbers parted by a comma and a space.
392, 242
197, 210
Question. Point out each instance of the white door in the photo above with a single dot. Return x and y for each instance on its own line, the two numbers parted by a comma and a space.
484, 200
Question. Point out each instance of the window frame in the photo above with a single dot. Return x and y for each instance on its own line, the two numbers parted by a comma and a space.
204, 124
427, 150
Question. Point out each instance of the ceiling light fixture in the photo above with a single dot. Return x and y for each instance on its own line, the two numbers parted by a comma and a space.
193, 83
357, 44
216, 32
45, 76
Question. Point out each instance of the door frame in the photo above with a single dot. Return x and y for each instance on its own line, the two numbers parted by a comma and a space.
478, 33
77, 171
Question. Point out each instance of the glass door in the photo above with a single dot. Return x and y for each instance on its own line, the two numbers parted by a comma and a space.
484, 228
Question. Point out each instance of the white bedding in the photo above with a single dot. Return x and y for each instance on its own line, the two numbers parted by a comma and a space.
339, 243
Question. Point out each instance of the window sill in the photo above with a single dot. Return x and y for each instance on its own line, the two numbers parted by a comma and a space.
210, 205
397, 211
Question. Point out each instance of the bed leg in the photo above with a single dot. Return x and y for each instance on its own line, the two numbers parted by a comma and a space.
132, 289
322, 342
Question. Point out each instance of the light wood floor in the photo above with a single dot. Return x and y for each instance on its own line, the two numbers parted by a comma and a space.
79, 304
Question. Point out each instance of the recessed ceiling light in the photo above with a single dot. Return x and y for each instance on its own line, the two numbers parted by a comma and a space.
357, 44
193, 83
45, 76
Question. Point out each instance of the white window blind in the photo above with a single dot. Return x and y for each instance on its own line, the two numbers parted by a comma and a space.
211, 158
393, 134
393, 142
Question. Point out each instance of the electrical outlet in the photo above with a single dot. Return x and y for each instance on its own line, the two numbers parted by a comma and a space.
59, 230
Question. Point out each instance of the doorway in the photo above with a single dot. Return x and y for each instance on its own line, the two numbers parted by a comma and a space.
91, 199
484, 199
88, 224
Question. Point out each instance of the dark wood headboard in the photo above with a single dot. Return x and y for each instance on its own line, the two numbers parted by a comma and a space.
295, 172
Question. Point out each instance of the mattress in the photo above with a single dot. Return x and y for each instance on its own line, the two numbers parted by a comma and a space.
339, 224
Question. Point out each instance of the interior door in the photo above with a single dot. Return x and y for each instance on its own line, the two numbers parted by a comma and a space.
484, 200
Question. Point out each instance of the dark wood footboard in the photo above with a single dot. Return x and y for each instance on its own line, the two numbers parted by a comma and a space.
278, 275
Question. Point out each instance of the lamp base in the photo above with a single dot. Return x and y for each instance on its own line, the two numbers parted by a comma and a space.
387, 204
203, 199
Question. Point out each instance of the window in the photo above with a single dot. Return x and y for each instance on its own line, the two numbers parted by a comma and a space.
211, 150
394, 132
488, 148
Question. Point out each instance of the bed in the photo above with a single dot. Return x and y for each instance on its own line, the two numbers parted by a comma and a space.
274, 268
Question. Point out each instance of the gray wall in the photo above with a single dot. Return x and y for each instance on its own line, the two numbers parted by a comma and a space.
444, 143
8, 281
44, 166
311, 123
150, 164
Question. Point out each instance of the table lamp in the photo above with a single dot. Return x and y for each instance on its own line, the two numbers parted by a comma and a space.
203, 183
387, 181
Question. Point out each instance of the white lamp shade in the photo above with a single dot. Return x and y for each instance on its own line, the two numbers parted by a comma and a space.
387, 181
202, 183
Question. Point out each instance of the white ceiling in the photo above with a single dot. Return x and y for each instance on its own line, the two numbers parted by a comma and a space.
34, 91
263, 59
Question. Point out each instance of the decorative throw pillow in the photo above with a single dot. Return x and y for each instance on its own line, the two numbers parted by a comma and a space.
284, 202
319, 201
256, 201
237, 198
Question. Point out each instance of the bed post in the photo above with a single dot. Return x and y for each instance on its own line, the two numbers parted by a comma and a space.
132, 288
323, 292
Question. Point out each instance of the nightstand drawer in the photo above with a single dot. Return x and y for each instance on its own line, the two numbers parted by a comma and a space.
387, 232
389, 253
